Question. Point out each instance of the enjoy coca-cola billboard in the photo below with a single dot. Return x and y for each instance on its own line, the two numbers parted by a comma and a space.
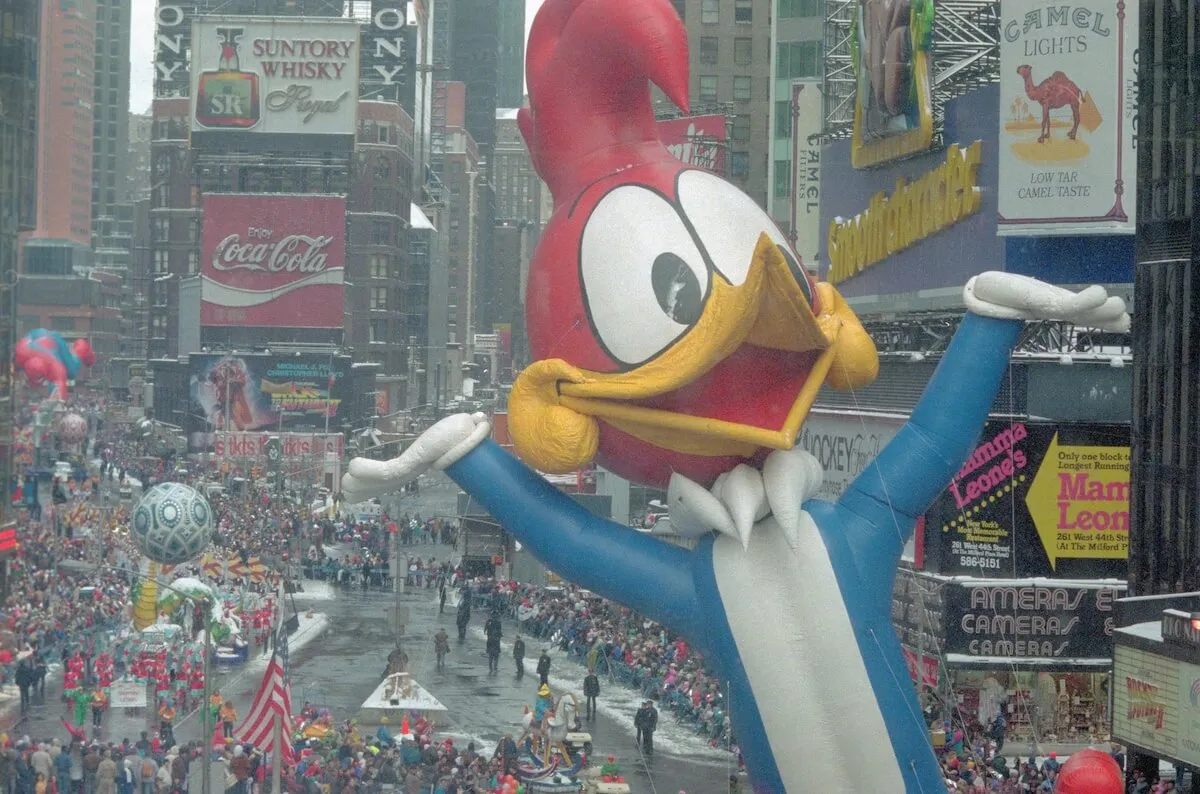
272, 260
696, 140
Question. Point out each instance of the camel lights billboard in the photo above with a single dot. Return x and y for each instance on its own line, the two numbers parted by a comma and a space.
1068, 118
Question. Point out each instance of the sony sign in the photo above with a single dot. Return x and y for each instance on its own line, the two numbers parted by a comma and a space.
171, 51
1180, 628
388, 59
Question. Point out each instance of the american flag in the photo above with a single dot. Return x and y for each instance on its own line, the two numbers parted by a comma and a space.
272, 703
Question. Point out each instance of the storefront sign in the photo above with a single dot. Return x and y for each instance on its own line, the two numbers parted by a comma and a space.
893, 111
843, 445
127, 695
1030, 620
1036, 500
1079, 501
1147, 698
1181, 628
1068, 111
913, 212
923, 669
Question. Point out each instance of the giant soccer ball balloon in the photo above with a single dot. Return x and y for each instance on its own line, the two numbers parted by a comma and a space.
72, 429
172, 523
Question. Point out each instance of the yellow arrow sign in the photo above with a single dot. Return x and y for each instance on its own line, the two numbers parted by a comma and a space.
1079, 501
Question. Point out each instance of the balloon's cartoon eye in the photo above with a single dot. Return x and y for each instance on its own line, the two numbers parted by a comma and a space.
645, 282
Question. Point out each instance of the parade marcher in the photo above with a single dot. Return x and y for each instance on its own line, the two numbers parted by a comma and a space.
99, 703
228, 718
591, 691
464, 614
519, 656
543, 667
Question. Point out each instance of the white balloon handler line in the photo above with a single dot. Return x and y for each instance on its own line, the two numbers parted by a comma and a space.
397, 695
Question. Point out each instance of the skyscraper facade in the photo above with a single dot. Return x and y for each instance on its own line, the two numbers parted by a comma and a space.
61, 242
110, 123
510, 59
18, 184
729, 51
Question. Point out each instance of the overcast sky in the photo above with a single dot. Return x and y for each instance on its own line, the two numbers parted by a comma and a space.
141, 51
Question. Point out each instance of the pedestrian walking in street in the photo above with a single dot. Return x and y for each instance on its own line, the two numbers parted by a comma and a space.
591, 691
441, 647
519, 656
228, 718
646, 722
543, 667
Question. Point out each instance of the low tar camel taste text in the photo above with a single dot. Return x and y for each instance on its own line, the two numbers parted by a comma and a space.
913, 212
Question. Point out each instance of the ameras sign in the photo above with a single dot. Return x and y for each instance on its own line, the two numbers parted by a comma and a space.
273, 261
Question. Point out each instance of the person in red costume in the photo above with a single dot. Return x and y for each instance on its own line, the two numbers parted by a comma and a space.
1090, 772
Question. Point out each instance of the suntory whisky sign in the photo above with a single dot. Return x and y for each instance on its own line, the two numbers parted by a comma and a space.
272, 75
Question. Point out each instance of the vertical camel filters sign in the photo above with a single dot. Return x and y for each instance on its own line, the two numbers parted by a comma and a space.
1068, 107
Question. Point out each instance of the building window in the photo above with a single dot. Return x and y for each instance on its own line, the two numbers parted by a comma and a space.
710, 12
162, 229
383, 132
741, 88
795, 9
162, 262
381, 233
381, 199
708, 88
709, 48
783, 118
739, 164
743, 51
379, 331
798, 59
783, 178
62, 323
379, 299
193, 262
680, 8
741, 128
194, 226
743, 11
378, 264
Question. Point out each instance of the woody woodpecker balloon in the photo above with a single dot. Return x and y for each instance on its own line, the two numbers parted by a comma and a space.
680, 342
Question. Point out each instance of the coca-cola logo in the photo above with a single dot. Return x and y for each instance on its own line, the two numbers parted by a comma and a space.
293, 253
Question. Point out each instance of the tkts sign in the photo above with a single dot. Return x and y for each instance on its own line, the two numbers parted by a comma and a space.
273, 261
292, 445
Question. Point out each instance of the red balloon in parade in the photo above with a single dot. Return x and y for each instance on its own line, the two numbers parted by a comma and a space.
1090, 772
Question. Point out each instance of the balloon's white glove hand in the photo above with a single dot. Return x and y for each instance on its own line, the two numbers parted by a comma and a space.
1008, 296
438, 447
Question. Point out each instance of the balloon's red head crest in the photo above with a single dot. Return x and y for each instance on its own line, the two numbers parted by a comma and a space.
589, 64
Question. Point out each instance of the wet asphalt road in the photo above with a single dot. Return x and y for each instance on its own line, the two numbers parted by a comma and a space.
338, 664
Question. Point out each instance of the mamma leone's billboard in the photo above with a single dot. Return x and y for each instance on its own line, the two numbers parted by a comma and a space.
273, 260
696, 140
1036, 500
269, 75
1068, 108
263, 393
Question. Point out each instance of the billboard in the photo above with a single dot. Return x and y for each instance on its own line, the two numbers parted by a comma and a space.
274, 76
806, 170
1156, 704
893, 106
267, 393
696, 140
844, 445
388, 62
1036, 500
172, 42
1068, 112
1031, 619
273, 260
292, 446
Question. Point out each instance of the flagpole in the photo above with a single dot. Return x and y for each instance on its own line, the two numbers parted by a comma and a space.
277, 756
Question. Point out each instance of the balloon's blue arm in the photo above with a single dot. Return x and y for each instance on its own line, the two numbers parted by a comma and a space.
615, 561
884, 501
